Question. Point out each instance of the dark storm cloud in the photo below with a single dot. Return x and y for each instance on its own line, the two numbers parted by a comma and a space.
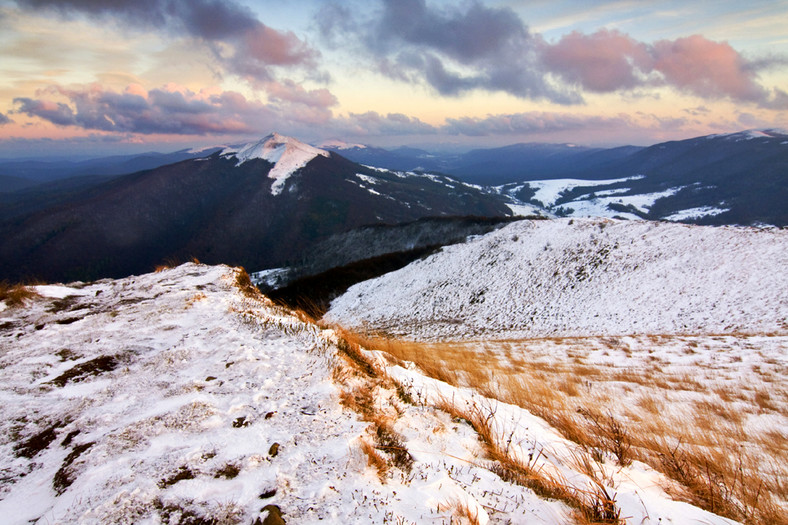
244, 45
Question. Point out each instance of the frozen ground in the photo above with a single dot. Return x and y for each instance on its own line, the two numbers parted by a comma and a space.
174, 397
579, 277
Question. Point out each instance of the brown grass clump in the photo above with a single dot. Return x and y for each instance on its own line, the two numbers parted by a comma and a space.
366, 378
15, 294
244, 283
375, 460
460, 510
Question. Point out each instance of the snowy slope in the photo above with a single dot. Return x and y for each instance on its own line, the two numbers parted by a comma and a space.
287, 154
175, 398
583, 277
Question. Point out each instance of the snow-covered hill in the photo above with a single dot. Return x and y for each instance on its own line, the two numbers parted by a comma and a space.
569, 277
183, 397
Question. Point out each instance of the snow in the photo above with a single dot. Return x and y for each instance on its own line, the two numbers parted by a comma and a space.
205, 381
340, 145
599, 206
287, 154
206, 148
272, 277
695, 213
549, 191
524, 210
367, 178
582, 277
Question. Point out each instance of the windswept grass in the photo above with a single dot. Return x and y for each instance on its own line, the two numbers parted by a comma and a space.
592, 504
683, 424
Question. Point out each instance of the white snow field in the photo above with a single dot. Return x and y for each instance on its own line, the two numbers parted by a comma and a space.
579, 277
182, 397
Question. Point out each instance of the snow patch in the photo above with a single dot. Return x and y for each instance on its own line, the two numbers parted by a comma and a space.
549, 191
287, 154
600, 206
695, 213
367, 178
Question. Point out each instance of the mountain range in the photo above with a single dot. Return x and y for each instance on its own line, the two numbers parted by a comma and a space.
270, 203
257, 205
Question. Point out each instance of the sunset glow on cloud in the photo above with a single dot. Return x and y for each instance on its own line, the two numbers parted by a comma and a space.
155, 73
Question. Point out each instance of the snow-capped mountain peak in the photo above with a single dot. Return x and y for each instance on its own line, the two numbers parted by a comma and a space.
286, 153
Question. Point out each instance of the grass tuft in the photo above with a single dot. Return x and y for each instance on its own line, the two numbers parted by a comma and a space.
16, 294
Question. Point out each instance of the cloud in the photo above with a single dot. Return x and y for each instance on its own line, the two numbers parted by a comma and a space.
4, 119
531, 123
289, 91
602, 62
172, 110
453, 50
608, 61
373, 123
707, 69
242, 43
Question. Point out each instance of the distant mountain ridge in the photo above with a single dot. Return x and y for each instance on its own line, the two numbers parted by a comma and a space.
258, 205
738, 178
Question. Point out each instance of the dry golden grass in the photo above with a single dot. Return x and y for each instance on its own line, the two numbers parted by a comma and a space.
698, 443
460, 511
375, 460
15, 294
594, 506
359, 380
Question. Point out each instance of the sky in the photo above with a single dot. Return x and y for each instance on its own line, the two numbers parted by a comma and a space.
112, 76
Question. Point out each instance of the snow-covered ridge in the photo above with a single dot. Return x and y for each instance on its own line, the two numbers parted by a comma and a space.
174, 396
287, 154
583, 277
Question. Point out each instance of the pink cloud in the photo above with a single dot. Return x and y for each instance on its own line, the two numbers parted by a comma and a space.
602, 62
287, 90
706, 68
608, 61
